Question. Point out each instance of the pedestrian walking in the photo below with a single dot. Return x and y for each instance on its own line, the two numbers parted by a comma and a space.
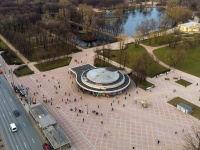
110, 104
175, 132
83, 120
183, 130
98, 106
158, 141
118, 102
51, 103
112, 109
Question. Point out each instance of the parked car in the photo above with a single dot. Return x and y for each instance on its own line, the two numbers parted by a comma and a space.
16, 113
46, 146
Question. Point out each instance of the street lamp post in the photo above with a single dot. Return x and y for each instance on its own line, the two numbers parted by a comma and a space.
87, 108
12, 76
4, 66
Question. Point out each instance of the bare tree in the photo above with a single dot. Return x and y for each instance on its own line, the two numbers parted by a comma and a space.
121, 49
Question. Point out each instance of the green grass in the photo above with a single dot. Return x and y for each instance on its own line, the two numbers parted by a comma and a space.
145, 85
10, 57
53, 51
183, 82
101, 63
190, 64
195, 113
3, 45
133, 53
54, 64
22, 71
157, 41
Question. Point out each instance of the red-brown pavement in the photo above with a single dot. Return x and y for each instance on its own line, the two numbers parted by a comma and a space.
124, 127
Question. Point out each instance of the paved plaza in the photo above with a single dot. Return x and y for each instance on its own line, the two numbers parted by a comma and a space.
124, 127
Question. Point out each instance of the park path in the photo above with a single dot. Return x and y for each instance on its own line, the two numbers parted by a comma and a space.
150, 50
26, 61
91, 52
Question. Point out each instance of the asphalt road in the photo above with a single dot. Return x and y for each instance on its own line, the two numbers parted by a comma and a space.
27, 137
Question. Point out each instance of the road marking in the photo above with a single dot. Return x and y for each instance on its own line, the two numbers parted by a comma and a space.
4, 116
10, 113
10, 99
24, 124
33, 140
25, 145
17, 147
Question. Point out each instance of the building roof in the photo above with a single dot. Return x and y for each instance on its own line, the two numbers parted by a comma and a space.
117, 86
41, 116
185, 106
46, 121
51, 130
56, 136
190, 24
102, 75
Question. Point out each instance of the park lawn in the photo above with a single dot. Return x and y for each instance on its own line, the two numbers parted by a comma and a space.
101, 63
40, 53
183, 82
190, 64
10, 57
3, 45
195, 113
25, 70
157, 41
54, 64
134, 53
145, 85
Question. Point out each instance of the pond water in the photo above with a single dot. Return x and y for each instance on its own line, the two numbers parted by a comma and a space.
129, 23
136, 17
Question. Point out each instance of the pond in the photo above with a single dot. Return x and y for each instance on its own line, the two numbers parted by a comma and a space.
129, 22
135, 17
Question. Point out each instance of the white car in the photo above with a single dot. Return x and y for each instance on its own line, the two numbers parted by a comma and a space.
13, 127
